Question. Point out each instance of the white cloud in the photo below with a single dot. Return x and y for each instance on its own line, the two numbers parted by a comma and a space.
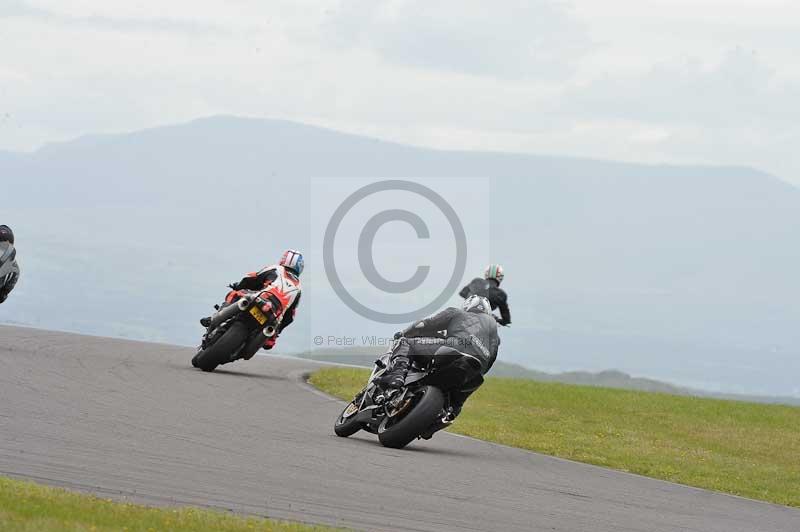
505, 38
659, 83
94, 18
738, 90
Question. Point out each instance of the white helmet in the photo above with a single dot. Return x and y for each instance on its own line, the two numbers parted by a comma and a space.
293, 260
476, 303
494, 271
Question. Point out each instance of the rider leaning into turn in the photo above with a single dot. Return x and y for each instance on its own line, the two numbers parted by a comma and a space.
489, 287
282, 281
9, 269
471, 335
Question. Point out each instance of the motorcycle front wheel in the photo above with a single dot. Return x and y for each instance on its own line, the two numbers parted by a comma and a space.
347, 426
427, 406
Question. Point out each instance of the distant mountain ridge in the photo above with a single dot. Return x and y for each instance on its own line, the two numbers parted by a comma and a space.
218, 147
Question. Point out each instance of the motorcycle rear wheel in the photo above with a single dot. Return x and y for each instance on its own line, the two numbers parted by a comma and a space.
221, 350
423, 414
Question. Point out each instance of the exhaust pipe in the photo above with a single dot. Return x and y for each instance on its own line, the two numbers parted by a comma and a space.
269, 331
229, 311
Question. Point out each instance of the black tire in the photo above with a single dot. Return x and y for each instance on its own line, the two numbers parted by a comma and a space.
346, 427
423, 414
220, 352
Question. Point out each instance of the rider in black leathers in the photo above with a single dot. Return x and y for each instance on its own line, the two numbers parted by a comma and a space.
489, 287
471, 335
9, 269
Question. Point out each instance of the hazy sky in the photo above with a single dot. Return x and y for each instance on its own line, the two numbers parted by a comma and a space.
714, 81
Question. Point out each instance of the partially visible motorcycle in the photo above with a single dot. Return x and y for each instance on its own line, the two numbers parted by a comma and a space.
417, 410
239, 328
7, 266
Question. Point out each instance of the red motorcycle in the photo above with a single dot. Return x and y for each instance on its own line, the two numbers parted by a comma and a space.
247, 321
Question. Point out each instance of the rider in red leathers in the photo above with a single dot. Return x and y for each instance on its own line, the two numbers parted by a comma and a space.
282, 281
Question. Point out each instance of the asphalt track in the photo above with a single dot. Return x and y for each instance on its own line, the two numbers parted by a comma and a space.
134, 421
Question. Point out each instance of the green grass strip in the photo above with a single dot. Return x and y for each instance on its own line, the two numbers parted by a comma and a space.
746, 449
29, 507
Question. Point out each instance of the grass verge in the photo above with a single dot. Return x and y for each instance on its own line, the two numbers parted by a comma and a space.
746, 449
25, 506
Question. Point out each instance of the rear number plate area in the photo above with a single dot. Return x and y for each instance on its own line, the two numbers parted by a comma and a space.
258, 315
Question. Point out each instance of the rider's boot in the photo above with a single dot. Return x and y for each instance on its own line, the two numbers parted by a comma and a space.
206, 322
396, 377
442, 423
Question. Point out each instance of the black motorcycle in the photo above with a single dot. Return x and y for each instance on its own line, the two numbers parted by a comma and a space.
239, 329
417, 410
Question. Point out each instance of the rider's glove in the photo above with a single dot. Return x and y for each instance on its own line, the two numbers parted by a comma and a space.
233, 286
398, 335
500, 321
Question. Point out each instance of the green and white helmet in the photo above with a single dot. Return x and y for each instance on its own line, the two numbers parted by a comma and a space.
494, 271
